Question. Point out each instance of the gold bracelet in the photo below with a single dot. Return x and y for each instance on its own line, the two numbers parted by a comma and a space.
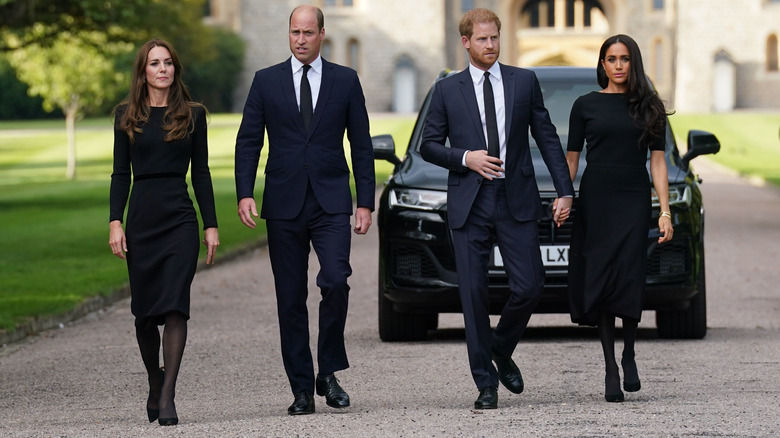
666, 214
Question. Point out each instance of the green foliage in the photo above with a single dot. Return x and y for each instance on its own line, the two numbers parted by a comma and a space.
750, 141
212, 57
16, 103
55, 232
76, 72
17, 17
212, 81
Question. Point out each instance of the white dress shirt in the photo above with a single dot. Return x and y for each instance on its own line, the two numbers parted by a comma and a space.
477, 78
315, 79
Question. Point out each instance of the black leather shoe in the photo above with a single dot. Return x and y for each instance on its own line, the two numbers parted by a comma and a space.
508, 373
488, 398
303, 404
335, 396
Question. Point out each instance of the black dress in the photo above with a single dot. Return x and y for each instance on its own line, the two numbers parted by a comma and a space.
162, 227
609, 241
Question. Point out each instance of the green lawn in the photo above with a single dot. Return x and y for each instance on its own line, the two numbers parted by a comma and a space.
749, 141
55, 232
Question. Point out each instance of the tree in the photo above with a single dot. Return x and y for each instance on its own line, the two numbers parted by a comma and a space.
74, 72
19, 16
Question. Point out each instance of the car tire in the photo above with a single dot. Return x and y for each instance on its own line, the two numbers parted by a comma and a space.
690, 323
399, 327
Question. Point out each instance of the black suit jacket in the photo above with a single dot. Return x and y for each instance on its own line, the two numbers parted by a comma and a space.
297, 157
454, 113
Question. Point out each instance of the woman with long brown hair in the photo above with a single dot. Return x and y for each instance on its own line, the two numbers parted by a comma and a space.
158, 133
607, 258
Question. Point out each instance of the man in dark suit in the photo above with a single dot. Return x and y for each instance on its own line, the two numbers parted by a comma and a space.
492, 194
305, 104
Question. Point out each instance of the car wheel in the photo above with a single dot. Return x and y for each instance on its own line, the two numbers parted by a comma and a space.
690, 323
396, 326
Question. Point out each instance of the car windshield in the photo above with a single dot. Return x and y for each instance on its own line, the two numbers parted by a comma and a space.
559, 96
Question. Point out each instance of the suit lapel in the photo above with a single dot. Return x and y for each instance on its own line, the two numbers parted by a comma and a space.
288, 91
508, 78
467, 90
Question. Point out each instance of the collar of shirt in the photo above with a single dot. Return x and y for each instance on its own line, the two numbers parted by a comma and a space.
477, 75
316, 66
314, 76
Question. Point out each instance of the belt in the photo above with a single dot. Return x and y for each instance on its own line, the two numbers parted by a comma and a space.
160, 175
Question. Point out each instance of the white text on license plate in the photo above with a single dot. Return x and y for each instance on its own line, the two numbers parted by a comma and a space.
552, 255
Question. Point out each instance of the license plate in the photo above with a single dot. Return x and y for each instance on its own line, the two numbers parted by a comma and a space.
552, 255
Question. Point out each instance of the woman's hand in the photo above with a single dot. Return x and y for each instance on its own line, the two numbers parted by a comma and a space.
116, 239
211, 240
666, 229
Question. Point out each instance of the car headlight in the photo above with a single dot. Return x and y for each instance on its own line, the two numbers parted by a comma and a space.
678, 195
418, 199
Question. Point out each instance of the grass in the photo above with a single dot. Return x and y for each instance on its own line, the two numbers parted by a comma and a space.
55, 232
750, 141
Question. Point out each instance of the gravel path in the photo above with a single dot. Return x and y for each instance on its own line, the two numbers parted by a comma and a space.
87, 379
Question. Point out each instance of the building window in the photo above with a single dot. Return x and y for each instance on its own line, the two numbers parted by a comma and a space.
542, 13
327, 50
339, 3
771, 53
353, 54
658, 60
658, 5
466, 5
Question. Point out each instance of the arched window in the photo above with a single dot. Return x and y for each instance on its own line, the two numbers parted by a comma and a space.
771, 53
574, 13
353, 54
658, 61
327, 50
404, 85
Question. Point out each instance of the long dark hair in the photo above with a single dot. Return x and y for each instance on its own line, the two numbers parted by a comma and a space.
644, 106
177, 121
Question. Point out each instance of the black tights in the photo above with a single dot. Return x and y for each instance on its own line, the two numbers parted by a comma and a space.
606, 330
173, 340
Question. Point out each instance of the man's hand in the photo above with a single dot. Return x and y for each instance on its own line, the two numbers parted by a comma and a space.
479, 161
562, 209
246, 209
362, 220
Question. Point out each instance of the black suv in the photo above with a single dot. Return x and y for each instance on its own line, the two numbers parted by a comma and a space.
417, 278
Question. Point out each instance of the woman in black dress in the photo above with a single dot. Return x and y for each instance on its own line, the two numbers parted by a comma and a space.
609, 241
158, 132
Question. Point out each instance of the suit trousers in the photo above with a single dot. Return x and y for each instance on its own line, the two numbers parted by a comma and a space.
289, 246
490, 222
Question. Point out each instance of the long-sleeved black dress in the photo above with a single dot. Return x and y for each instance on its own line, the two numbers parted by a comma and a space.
607, 256
162, 227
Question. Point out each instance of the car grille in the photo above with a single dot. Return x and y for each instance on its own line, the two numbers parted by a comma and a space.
412, 261
670, 258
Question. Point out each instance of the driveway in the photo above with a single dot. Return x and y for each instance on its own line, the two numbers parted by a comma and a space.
87, 379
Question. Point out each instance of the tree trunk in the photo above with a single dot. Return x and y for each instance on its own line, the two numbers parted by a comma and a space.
70, 127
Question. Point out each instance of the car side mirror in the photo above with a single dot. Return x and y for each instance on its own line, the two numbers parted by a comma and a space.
384, 148
700, 143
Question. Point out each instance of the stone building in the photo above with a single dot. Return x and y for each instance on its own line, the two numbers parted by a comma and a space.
703, 55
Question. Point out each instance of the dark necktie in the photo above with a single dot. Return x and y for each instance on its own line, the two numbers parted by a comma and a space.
490, 117
306, 106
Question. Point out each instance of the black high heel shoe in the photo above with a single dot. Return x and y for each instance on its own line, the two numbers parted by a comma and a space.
154, 395
631, 382
612, 383
168, 421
